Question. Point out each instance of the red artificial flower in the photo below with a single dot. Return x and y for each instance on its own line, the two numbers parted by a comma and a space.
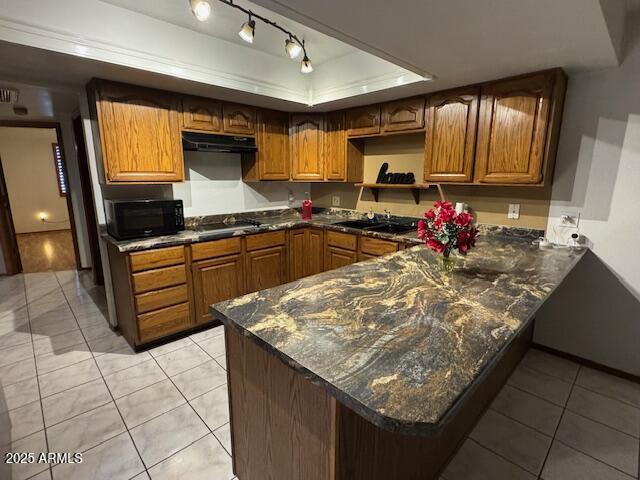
463, 219
430, 214
435, 245
443, 205
446, 215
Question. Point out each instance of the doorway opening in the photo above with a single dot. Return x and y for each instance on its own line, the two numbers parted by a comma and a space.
36, 221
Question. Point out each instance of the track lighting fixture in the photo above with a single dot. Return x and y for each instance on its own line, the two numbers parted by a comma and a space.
293, 46
201, 9
306, 66
248, 30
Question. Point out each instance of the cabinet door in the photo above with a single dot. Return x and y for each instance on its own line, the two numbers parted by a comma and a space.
335, 147
215, 281
139, 133
363, 120
337, 257
307, 147
201, 114
316, 251
239, 119
450, 139
512, 130
266, 268
401, 115
272, 137
297, 248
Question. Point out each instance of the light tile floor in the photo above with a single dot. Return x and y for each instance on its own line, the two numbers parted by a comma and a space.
68, 383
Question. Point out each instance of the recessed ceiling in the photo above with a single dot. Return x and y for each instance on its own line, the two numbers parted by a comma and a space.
43, 103
225, 22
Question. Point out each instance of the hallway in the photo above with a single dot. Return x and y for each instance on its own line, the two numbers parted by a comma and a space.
46, 251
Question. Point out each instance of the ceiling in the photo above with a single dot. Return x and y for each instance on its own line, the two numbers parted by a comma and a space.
43, 103
375, 50
225, 22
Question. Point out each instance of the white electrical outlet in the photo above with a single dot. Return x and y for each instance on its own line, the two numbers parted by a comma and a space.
514, 211
335, 200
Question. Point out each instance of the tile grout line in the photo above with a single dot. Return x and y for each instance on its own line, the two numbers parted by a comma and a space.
44, 428
593, 458
194, 410
555, 433
108, 390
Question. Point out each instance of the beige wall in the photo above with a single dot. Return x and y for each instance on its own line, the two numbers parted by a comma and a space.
405, 153
27, 161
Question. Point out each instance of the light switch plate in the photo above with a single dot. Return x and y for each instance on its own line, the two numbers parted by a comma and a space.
514, 211
335, 200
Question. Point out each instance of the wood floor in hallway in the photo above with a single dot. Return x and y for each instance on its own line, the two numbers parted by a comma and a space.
46, 251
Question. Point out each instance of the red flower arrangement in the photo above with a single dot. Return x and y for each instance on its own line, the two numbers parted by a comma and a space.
444, 229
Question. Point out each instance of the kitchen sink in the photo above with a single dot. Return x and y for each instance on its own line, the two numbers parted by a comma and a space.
391, 228
363, 224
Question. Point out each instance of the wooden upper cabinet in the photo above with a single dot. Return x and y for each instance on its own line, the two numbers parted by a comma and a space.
201, 114
513, 127
363, 120
240, 119
139, 133
307, 146
272, 138
402, 115
335, 147
450, 137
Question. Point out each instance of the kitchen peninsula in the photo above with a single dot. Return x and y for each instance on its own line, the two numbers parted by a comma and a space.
379, 369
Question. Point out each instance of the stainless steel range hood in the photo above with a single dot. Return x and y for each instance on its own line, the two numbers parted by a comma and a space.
207, 142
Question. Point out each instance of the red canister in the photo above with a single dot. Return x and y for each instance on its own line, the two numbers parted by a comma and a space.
307, 205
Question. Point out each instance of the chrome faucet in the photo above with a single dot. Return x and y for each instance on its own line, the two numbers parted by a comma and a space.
387, 214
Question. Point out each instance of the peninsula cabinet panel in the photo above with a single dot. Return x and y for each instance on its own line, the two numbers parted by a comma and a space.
272, 138
512, 131
403, 115
201, 114
240, 119
335, 147
363, 120
307, 147
266, 268
450, 137
337, 257
139, 132
215, 281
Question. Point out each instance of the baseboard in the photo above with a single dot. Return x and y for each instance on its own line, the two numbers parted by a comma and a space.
45, 231
588, 363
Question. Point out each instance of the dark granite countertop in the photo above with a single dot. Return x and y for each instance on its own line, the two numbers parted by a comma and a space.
396, 339
269, 221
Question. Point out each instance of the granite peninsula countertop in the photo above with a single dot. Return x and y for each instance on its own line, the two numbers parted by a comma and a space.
396, 339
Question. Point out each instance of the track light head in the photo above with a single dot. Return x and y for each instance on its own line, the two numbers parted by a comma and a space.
201, 9
248, 30
306, 66
292, 48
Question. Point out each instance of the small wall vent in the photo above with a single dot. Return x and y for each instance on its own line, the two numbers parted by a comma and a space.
9, 95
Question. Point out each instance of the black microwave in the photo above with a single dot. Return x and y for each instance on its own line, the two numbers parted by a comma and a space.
143, 218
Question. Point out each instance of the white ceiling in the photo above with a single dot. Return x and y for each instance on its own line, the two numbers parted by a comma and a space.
368, 51
225, 23
43, 103
465, 41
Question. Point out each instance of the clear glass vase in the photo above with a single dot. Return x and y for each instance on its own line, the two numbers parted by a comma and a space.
447, 263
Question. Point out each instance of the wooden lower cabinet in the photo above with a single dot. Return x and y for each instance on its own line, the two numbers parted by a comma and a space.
266, 268
306, 255
163, 322
214, 281
338, 257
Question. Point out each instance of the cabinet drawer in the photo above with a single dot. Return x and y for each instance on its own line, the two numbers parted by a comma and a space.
265, 240
163, 257
161, 298
377, 247
217, 248
342, 240
160, 323
160, 278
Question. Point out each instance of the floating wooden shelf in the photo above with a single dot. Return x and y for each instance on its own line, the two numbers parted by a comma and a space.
414, 187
